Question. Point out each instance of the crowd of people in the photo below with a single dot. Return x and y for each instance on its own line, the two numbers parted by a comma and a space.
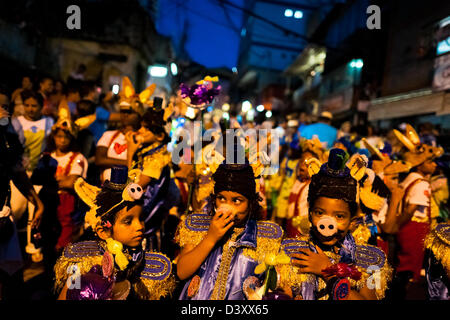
95, 206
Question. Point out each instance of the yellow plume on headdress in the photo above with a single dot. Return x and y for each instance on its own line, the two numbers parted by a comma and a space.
128, 96
208, 79
357, 165
405, 141
313, 165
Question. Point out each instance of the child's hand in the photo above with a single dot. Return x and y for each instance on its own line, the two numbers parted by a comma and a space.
3, 113
311, 262
220, 224
133, 141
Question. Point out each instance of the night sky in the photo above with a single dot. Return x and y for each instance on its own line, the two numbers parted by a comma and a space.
212, 33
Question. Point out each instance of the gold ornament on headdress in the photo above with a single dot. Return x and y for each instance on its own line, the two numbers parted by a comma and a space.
129, 97
418, 152
385, 165
357, 164
313, 166
313, 145
80, 123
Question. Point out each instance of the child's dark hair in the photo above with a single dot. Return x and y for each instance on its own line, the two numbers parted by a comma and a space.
153, 122
107, 199
26, 94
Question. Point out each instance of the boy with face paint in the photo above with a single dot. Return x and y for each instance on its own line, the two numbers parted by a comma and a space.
114, 265
220, 250
328, 264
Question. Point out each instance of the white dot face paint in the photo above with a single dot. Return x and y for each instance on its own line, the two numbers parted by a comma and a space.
327, 226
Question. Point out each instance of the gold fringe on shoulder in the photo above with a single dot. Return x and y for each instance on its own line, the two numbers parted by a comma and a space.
147, 289
63, 268
184, 236
438, 242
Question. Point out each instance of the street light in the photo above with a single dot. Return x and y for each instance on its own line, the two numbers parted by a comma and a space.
174, 68
260, 108
246, 106
298, 14
225, 107
357, 63
158, 71
115, 89
269, 114
288, 13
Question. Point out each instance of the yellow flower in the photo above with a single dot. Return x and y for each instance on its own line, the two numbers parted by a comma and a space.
270, 259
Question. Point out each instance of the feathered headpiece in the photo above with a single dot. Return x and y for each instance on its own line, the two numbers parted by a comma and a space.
64, 121
129, 99
382, 164
314, 146
417, 152
201, 93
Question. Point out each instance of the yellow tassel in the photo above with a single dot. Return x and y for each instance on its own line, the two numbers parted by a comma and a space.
115, 247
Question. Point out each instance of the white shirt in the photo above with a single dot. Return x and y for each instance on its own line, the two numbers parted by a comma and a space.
419, 194
115, 142
78, 167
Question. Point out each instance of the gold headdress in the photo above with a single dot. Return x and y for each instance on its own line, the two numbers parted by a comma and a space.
129, 99
384, 164
417, 152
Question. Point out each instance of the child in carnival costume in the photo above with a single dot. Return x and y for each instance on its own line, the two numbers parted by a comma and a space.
328, 263
221, 249
114, 266
437, 263
413, 221
379, 198
149, 162
313, 154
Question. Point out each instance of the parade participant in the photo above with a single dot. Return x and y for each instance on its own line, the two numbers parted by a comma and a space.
114, 265
286, 179
297, 215
328, 263
437, 265
413, 223
32, 128
11, 260
68, 166
380, 197
147, 151
112, 146
221, 249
